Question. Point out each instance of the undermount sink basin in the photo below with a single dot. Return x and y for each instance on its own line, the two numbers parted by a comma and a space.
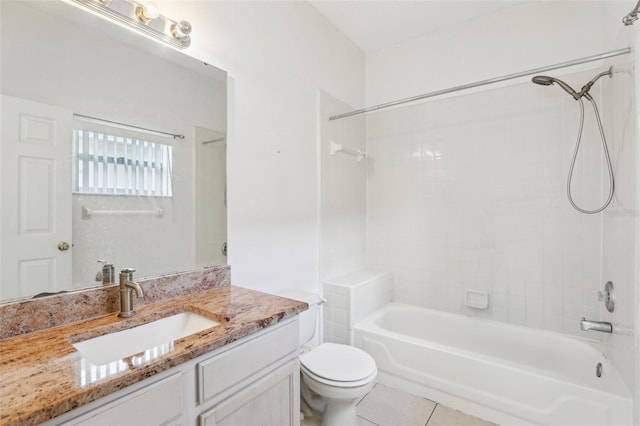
134, 341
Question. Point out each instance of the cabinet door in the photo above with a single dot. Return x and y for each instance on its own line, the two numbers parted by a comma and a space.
273, 400
156, 404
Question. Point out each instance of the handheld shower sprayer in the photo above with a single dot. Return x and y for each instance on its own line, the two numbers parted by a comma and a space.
584, 92
548, 81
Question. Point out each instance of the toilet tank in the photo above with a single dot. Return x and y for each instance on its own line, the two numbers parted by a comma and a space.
308, 318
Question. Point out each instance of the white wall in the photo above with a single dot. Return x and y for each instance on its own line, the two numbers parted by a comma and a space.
343, 192
636, 283
522, 37
278, 55
483, 174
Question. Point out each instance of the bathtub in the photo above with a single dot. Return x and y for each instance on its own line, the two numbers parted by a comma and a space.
507, 374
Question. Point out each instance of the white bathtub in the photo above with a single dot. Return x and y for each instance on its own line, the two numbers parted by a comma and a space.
503, 373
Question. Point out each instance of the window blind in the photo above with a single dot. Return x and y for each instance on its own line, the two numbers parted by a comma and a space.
106, 163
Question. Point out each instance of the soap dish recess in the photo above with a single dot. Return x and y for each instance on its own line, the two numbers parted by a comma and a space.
476, 299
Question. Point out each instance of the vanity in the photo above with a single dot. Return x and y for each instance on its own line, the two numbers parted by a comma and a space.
242, 370
90, 113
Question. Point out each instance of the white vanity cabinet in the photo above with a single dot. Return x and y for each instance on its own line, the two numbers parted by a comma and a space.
233, 388
254, 381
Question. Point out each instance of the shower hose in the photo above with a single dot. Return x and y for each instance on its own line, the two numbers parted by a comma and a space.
575, 155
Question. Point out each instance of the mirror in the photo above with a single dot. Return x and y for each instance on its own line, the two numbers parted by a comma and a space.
75, 190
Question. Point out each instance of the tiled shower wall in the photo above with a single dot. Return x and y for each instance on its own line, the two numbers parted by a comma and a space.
620, 223
351, 298
468, 192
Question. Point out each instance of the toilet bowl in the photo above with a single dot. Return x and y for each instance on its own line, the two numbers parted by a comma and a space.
334, 377
340, 375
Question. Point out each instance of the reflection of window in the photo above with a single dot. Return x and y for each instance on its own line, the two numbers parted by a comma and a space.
108, 164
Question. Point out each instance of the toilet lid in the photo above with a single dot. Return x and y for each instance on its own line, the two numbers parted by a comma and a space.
339, 363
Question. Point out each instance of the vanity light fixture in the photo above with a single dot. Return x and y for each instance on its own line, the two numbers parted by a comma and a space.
143, 16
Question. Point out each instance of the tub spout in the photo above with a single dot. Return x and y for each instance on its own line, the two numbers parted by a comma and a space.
603, 326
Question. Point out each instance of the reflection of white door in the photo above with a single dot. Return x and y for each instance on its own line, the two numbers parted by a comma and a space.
35, 210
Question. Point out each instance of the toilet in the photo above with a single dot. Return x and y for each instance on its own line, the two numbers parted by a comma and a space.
334, 377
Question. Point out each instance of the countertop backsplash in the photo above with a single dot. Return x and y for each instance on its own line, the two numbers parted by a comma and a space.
29, 315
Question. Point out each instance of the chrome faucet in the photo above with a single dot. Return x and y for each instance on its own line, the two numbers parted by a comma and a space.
603, 326
127, 286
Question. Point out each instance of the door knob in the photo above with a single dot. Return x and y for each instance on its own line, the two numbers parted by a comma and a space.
63, 246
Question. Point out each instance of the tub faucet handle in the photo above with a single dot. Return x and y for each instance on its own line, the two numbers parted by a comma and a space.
607, 296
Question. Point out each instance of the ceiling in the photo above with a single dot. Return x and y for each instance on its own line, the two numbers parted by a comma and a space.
374, 25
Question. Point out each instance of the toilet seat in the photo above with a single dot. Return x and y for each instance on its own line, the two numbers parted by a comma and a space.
339, 365
336, 383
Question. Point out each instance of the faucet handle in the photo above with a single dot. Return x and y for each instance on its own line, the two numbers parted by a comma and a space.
126, 274
105, 263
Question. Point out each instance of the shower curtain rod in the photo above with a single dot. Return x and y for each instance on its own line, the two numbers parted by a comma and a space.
97, 120
579, 61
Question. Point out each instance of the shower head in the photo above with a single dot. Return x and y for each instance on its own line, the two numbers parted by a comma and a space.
542, 80
632, 16
548, 81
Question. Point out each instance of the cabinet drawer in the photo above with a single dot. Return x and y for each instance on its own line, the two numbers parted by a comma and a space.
228, 369
157, 404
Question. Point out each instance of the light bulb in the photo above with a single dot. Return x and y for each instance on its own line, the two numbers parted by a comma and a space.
181, 30
147, 12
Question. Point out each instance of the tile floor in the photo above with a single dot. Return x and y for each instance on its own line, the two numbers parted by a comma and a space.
385, 406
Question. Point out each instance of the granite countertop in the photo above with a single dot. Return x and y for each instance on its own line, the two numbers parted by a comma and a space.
42, 375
